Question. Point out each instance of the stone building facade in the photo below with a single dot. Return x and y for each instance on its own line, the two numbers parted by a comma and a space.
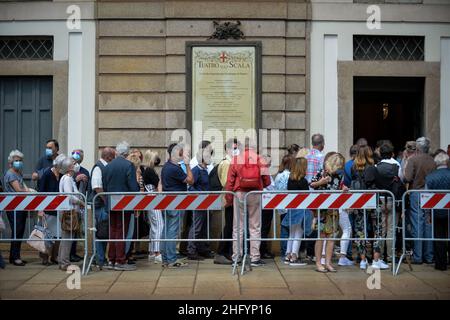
141, 65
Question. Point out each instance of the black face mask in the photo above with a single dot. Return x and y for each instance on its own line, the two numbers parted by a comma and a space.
157, 161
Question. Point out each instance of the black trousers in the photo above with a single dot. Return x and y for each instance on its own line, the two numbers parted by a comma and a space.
441, 248
17, 221
226, 247
266, 222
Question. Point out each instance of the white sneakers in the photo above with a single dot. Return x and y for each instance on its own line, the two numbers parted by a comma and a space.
380, 264
157, 259
344, 261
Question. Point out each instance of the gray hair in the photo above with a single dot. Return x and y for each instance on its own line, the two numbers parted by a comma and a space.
14, 153
66, 163
58, 161
441, 159
123, 148
317, 140
423, 144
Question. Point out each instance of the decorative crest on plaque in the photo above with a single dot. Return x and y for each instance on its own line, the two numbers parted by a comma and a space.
227, 30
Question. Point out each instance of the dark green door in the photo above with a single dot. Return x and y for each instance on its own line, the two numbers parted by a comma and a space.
25, 119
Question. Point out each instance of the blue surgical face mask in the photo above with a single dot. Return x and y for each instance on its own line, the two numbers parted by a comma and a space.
48, 152
76, 156
18, 165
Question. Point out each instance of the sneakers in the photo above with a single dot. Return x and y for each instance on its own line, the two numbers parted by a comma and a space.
175, 265
158, 259
297, 262
220, 259
257, 263
287, 259
110, 266
344, 261
124, 267
380, 264
363, 264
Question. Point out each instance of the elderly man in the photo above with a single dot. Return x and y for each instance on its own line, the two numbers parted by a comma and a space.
120, 176
439, 179
81, 178
315, 156
96, 186
418, 167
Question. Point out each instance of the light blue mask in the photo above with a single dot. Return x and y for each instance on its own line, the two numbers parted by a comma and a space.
48, 152
18, 165
76, 156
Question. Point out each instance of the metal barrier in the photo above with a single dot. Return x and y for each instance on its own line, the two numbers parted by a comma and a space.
48, 202
424, 203
130, 202
319, 200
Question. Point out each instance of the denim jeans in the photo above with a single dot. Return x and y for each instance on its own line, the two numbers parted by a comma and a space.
100, 215
170, 231
420, 228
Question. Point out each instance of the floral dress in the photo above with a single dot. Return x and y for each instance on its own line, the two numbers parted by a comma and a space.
329, 219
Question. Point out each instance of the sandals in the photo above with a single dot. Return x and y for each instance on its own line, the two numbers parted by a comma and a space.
331, 269
322, 270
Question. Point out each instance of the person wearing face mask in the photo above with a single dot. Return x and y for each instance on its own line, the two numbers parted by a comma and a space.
49, 182
13, 182
81, 178
67, 185
51, 152
198, 250
81, 174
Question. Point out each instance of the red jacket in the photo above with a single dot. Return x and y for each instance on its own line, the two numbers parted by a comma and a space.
236, 165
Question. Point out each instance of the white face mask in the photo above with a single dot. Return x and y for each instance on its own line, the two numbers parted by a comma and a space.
76, 167
236, 152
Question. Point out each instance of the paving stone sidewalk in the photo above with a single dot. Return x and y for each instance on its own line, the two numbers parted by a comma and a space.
205, 280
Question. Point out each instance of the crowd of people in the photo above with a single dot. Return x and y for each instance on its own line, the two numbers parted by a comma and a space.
242, 169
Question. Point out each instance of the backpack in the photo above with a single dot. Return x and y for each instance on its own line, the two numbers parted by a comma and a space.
213, 178
249, 175
397, 187
358, 183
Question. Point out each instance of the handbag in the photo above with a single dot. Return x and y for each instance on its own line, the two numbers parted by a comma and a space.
40, 238
70, 221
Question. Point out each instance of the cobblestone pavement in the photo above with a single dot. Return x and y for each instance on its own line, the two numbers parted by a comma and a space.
205, 280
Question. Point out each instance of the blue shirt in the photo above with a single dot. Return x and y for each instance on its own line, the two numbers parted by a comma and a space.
348, 173
173, 177
201, 180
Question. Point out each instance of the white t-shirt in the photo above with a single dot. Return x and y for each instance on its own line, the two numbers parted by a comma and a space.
97, 176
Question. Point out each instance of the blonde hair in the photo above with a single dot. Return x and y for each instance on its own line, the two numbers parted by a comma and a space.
149, 158
134, 158
334, 163
364, 157
298, 168
302, 153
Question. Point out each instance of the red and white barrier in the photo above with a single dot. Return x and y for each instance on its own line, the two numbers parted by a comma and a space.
319, 201
435, 200
29, 202
166, 202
